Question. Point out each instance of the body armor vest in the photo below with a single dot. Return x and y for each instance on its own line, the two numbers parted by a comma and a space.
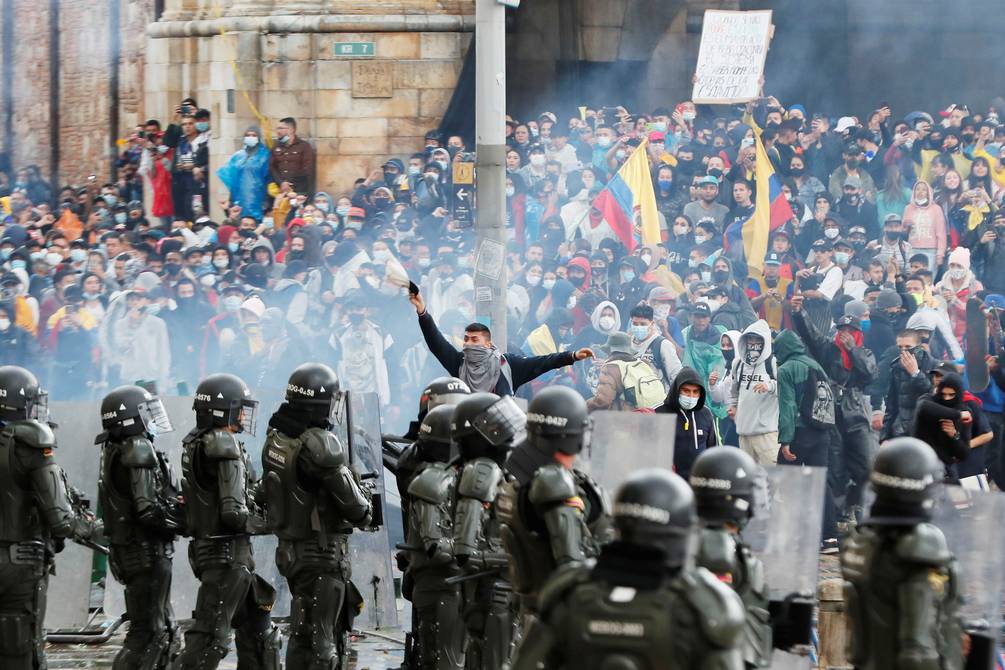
122, 525
201, 488
20, 518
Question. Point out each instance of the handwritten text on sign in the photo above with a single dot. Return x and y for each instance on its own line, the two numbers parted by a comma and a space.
731, 57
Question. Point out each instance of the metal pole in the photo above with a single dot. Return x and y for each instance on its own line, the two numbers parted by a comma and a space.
490, 140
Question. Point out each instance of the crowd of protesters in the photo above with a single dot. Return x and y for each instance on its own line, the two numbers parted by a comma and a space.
898, 221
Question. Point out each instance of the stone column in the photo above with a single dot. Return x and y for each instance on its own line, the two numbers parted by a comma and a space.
300, 7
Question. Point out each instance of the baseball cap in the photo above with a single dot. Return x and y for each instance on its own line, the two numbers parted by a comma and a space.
892, 218
716, 291
657, 136
841, 242
708, 179
357, 213
849, 321
823, 245
856, 229
700, 309
852, 148
661, 293
853, 180
844, 123
772, 259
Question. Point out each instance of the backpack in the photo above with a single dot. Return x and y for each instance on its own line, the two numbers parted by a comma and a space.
643, 387
817, 407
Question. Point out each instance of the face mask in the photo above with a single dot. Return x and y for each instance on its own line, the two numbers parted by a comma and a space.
162, 149
91, 296
381, 255
424, 262
797, 172
442, 164
706, 276
284, 140
172, 268
18, 264
865, 324
153, 309
921, 202
4, 324
121, 217
232, 303
700, 239
202, 126
851, 163
53, 259
665, 184
414, 170
533, 280
620, 154
604, 142
356, 318
646, 258
250, 141
680, 231
627, 276
640, 333
720, 276
537, 160
918, 297
841, 257
572, 302
661, 311
831, 233
687, 402
714, 305
548, 284
689, 115
957, 273
606, 323
221, 263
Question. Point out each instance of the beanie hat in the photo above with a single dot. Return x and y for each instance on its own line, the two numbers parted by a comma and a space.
856, 308
888, 299
960, 256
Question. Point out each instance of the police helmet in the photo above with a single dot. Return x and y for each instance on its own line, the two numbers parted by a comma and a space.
132, 410
655, 508
314, 388
557, 420
21, 397
725, 482
223, 400
442, 391
434, 443
905, 477
483, 424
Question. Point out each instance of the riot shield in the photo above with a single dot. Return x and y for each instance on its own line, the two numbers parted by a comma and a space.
785, 535
623, 442
369, 550
970, 520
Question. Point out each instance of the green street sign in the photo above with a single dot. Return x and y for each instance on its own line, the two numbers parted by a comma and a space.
355, 49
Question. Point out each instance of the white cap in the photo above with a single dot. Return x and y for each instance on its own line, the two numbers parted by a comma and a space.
844, 123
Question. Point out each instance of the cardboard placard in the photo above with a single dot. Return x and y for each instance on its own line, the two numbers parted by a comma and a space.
734, 46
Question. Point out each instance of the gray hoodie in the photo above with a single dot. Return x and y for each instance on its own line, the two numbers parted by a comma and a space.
756, 413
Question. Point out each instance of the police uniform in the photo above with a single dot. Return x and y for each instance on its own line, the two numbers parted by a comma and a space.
219, 486
314, 500
36, 515
140, 508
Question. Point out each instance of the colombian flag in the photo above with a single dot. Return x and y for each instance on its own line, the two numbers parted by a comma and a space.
628, 202
771, 211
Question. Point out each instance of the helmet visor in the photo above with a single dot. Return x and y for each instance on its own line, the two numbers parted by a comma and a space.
39, 410
502, 422
249, 416
155, 418
437, 399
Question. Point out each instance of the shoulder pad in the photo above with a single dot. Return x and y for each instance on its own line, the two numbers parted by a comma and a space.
552, 484
138, 452
480, 480
925, 543
432, 485
221, 444
720, 610
756, 579
323, 448
559, 584
717, 552
35, 434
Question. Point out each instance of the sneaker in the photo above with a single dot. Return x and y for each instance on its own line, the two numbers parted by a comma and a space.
829, 545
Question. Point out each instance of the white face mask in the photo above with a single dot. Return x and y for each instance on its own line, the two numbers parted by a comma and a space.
646, 258
533, 280
680, 230
661, 311
548, 284
687, 402
4, 324
957, 273
831, 233
381, 255
221, 262
537, 160
607, 323
700, 239
714, 305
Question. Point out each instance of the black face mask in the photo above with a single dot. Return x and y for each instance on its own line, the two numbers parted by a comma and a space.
380, 204
797, 172
720, 276
356, 318
729, 355
771, 282
714, 172
295, 255
172, 268
851, 163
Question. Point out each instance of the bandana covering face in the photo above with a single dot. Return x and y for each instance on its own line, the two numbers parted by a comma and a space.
754, 350
480, 369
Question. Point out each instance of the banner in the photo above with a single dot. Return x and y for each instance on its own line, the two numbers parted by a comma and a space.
731, 57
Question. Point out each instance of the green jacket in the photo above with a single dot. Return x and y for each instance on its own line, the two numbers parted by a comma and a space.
794, 366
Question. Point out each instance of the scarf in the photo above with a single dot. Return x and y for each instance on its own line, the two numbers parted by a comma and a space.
845, 356
480, 369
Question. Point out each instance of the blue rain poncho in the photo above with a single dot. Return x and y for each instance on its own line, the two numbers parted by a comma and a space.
246, 176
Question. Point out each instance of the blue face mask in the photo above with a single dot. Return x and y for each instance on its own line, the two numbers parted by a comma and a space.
201, 126
342, 211
627, 276
660, 127
121, 217
665, 184
640, 333
866, 324
233, 246
17, 264
687, 402
5, 253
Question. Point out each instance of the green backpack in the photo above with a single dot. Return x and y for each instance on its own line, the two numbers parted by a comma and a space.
643, 388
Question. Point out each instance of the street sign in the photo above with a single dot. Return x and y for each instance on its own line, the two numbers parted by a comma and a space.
355, 49
464, 192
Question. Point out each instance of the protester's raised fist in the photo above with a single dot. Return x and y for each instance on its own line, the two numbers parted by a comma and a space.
418, 303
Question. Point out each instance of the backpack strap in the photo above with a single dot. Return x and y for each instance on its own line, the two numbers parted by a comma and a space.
656, 347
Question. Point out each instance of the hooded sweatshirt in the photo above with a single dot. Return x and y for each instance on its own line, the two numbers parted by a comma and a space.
737, 295
756, 413
695, 427
932, 410
719, 393
927, 223
793, 374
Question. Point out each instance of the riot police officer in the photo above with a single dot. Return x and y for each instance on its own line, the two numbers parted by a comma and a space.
141, 511
485, 427
436, 598
641, 605
219, 486
901, 581
313, 501
37, 512
553, 516
724, 481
